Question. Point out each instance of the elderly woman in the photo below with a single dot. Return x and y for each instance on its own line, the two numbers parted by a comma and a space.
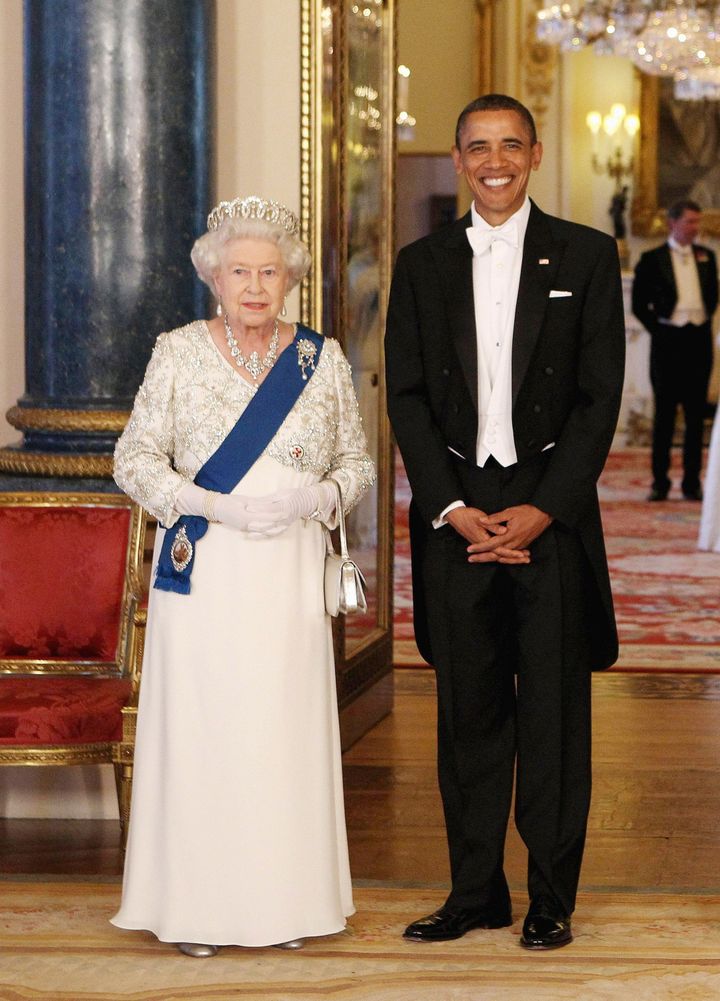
242, 431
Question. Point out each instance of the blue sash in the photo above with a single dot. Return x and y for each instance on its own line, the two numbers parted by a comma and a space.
255, 429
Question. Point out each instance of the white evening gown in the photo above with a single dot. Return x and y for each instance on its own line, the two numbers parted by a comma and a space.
237, 830
709, 537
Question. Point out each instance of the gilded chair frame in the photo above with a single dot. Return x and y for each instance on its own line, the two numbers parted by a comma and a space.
128, 656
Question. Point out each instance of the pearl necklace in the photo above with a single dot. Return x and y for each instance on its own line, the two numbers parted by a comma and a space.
254, 364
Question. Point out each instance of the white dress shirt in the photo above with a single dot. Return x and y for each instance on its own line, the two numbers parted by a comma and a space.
689, 307
497, 260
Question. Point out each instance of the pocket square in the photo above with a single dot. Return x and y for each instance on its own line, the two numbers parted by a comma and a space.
558, 293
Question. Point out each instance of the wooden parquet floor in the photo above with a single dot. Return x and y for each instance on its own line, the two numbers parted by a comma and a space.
647, 924
655, 817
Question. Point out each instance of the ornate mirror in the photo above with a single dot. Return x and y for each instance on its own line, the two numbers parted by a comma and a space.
347, 208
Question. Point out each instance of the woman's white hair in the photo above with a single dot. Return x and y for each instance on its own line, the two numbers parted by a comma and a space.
206, 251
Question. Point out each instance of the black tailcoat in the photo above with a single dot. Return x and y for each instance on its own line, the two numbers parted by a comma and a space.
654, 294
567, 372
680, 358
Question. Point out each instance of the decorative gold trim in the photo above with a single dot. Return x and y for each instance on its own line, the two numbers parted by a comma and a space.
308, 89
55, 464
52, 754
648, 217
49, 419
484, 53
540, 65
80, 498
106, 668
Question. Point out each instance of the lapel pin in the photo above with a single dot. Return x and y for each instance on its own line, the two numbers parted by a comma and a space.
544, 260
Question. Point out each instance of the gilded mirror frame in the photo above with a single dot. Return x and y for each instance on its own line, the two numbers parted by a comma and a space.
648, 214
361, 662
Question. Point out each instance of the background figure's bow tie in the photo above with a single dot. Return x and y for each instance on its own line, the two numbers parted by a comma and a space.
683, 251
481, 239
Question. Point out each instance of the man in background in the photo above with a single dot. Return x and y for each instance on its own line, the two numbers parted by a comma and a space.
674, 295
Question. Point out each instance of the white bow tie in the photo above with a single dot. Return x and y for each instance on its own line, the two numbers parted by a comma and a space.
683, 251
481, 239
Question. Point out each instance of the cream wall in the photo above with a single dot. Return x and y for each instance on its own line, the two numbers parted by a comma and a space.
258, 103
437, 42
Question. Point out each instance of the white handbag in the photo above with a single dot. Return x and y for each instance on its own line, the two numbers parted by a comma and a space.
344, 582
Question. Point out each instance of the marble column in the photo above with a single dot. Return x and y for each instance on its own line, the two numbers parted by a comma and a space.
118, 139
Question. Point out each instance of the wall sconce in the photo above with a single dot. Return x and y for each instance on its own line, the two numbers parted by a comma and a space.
404, 121
619, 131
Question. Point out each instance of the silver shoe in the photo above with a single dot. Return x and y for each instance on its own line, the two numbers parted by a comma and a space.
294, 943
197, 950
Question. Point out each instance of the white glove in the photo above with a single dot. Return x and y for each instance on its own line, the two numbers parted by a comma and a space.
234, 510
282, 509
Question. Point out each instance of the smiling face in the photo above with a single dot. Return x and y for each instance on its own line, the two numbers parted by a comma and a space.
496, 156
252, 282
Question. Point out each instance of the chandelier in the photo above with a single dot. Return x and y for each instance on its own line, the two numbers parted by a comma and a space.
677, 38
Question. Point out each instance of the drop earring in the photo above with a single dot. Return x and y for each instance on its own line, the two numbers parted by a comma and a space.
283, 311
219, 309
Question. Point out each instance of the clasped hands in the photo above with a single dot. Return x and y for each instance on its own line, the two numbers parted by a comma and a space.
502, 537
259, 517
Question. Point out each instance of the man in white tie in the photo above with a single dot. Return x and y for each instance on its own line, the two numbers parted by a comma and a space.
505, 347
675, 293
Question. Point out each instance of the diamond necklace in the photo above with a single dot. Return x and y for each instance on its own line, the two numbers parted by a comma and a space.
254, 364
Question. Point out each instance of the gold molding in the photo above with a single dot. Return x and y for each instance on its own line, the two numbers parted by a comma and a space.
80, 498
540, 65
62, 754
324, 132
647, 215
21, 463
71, 667
50, 419
484, 53
308, 157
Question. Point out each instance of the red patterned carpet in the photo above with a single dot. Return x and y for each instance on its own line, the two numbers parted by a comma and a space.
667, 593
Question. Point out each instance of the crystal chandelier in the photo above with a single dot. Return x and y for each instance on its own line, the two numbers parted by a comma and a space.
677, 38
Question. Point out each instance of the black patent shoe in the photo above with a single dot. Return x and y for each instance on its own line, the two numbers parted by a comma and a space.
544, 930
657, 495
449, 923
694, 494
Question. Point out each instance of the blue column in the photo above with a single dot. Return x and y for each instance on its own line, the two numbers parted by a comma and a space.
118, 139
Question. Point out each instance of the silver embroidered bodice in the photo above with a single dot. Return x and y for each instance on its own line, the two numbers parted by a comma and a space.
191, 398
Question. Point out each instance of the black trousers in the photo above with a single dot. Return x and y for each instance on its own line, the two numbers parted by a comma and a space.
680, 365
513, 674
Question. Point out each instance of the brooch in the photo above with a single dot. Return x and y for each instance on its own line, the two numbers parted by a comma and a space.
181, 551
306, 355
296, 451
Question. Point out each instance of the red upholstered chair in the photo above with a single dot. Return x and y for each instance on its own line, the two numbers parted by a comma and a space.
70, 629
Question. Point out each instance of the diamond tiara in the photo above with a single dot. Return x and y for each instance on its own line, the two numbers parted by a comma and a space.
253, 207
